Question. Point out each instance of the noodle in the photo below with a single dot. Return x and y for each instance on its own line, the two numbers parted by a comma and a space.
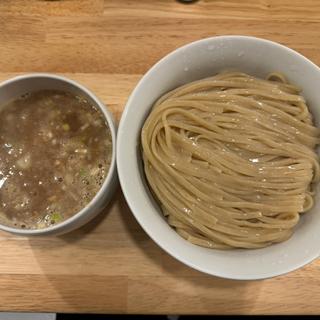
231, 159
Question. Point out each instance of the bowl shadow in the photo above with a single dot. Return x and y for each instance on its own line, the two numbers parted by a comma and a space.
66, 272
78, 290
203, 284
91, 226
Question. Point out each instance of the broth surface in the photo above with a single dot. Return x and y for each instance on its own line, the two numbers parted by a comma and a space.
55, 152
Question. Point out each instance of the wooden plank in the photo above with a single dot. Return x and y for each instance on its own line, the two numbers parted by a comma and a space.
64, 293
210, 295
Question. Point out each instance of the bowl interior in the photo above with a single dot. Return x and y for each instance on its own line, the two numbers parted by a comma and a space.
195, 61
20, 85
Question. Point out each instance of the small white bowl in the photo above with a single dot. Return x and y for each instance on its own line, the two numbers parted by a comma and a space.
15, 87
194, 61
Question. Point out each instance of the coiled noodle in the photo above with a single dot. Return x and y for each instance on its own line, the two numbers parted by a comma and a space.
231, 159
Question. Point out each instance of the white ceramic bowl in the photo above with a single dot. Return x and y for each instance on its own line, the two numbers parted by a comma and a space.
17, 86
195, 61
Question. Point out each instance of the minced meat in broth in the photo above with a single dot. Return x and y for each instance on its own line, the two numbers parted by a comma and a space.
55, 152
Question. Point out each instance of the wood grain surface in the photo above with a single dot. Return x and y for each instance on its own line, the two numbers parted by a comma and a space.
111, 265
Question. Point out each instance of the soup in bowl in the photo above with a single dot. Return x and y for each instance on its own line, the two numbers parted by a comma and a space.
57, 155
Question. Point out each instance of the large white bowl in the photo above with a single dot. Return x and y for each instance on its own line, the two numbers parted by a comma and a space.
195, 61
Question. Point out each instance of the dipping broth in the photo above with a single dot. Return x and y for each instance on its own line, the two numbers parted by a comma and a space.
55, 152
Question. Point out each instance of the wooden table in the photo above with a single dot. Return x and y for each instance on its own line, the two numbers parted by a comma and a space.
111, 265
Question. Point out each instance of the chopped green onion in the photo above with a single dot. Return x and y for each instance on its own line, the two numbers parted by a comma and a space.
56, 217
65, 127
82, 172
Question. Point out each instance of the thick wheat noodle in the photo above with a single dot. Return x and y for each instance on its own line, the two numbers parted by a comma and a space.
231, 159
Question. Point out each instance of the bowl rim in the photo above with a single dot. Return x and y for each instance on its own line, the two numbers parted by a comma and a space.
108, 182
130, 198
